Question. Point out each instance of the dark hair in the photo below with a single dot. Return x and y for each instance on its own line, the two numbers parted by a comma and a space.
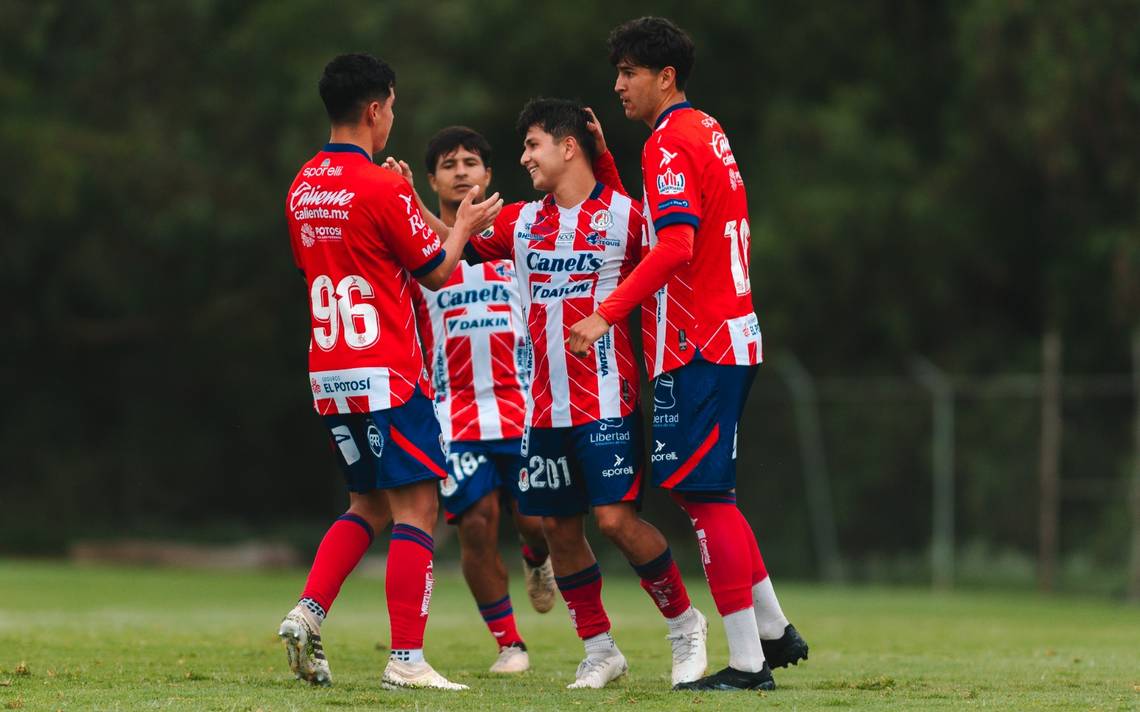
352, 80
653, 42
559, 118
451, 139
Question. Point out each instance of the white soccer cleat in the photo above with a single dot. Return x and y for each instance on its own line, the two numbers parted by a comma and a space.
512, 659
540, 585
690, 654
301, 634
595, 672
416, 675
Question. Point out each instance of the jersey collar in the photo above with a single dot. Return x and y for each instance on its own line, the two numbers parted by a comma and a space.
346, 148
670, 110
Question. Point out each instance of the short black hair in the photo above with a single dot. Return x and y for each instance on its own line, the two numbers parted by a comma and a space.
654, 42
559, 118
350, 81
451, 139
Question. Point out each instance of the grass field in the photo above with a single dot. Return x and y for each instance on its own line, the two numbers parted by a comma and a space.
137, 639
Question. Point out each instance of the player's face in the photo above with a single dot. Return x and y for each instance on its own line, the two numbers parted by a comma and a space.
637, 88
382, 121
455, 174
543, 159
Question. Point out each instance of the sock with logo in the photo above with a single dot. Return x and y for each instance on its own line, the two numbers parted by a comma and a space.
770, 619
600, 646
720, 538
662, 581
407, 655
534, 556
408, 584
340, 551
582, 592
500, 620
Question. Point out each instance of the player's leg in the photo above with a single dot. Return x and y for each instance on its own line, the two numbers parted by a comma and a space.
549, 489
610, 455
537, 568
412, 467
341, 549
694, 456
782, 643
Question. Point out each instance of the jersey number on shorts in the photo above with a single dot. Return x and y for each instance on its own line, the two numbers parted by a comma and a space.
334, 308
544, 472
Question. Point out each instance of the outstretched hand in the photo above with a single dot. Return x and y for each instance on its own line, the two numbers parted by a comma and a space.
400, 167
595, 128
478, 216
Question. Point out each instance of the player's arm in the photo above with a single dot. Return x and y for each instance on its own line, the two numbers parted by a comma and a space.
433, 221
605, 168
494, 243
471, 218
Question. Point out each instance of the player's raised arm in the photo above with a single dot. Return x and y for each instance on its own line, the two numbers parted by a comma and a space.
604, 166
472, 217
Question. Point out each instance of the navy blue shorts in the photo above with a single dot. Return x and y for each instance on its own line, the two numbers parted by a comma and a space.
477, 468
388, 448
568, 470
696, 412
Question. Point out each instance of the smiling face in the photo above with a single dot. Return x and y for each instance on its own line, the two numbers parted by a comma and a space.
456, 172
640, 91
544, 158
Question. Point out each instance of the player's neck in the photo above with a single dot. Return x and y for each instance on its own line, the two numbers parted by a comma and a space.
668, 100
356, 135
574, 188
447, 213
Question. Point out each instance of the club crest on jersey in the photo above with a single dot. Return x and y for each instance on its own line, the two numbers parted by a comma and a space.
375, 440
670, 183
601, 220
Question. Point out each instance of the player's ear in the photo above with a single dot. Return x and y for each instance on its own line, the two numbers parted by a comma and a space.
667, 78
569, 148
372, 112
431, 182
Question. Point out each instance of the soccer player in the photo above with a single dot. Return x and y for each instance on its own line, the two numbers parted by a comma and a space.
360, 240
701, 337
583, 444
473, 330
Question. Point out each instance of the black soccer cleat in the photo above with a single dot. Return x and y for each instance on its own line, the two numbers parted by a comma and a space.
788, 649
732, 679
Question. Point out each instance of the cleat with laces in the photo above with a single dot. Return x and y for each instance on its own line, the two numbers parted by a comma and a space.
733, 679
690, 657
419, 675
512, 658
789, 649
595, 672
540, 585
301, 634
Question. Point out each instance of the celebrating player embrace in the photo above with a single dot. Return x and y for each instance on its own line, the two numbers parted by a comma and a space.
583, 445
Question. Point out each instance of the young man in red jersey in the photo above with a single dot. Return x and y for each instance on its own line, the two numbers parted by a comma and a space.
701, 336
474, 333
582, 447
360, 240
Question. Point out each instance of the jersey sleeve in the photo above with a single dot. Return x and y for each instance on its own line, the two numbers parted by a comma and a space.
403, 228
672, 184
606, 172
496, 242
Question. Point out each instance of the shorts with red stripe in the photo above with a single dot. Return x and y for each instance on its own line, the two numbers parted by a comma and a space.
568, 470
389, 448
696, 412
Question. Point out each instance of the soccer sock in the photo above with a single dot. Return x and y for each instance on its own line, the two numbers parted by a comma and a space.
534, 556
339, 553
500, 620
408, 584
662, 581
718, 525
744, 649
582, 592
600, 645
770, 620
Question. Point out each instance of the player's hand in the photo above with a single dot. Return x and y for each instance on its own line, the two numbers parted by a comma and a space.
585, 333
400, 167
478, 216
595, 128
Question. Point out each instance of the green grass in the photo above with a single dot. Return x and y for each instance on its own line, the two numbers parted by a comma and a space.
137, 639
